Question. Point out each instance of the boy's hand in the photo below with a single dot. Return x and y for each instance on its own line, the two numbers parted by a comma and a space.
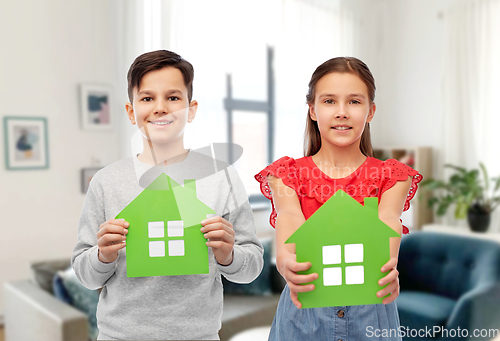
220, 235
392, 278
111, 238
288, 269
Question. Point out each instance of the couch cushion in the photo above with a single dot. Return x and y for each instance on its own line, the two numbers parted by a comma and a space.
60, 291
83, 299
420, 309
447, 264
43, 272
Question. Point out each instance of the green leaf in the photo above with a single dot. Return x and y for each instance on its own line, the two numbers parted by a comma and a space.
460, 169
426, 182
442, 208
485, 176
471, 177
433, 184
456, 179
461, 210
497, 184
432, 201
469, 198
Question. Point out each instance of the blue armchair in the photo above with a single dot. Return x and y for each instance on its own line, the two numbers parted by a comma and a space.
448, 282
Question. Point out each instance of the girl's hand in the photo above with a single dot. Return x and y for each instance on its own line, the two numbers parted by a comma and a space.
391, 278
110, 239
220, 235
288, 270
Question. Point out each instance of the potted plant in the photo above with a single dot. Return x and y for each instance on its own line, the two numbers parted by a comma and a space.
470, 194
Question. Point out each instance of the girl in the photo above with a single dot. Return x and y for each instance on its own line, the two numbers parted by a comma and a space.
338, 155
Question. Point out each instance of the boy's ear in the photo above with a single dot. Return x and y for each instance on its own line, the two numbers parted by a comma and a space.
312, 112
130, 112
193, 107
371, 113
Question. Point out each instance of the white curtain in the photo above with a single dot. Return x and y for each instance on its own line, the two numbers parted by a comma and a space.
472, 86
138, 26
128, 32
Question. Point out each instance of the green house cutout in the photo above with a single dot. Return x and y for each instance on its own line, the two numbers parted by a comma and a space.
164, 237
347, 244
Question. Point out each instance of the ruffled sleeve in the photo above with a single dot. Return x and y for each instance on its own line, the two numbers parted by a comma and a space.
394, 171
284, 169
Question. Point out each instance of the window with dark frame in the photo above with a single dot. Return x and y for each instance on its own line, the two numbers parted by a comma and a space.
251, 125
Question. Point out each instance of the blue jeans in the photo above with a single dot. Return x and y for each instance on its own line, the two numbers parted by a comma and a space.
373, 322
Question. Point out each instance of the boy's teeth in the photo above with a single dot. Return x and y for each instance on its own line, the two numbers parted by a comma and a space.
161, 123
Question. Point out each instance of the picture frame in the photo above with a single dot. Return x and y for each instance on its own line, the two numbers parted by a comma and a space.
26, 143
86, 175
96, 107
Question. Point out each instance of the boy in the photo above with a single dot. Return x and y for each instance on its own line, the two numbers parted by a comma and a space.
163, 307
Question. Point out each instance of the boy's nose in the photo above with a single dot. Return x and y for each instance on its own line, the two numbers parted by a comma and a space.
161, 108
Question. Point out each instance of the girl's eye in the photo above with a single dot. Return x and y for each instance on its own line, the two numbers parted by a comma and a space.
328, 101
355, 101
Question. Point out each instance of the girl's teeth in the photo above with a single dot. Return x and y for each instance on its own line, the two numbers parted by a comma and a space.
341, 128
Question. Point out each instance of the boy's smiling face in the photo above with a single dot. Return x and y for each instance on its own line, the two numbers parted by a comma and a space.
161, 107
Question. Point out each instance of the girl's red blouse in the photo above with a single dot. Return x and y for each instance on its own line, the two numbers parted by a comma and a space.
313, 187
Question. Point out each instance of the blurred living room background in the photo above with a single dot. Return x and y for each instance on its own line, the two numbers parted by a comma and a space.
437, 72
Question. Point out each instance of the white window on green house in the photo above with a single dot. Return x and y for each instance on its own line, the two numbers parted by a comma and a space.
156, 229
175, 228
332, 254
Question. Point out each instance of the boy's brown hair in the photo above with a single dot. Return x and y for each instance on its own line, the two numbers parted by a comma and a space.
157, 60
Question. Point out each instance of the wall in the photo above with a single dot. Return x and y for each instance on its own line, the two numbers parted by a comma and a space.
403, 42
409, 65
48, 48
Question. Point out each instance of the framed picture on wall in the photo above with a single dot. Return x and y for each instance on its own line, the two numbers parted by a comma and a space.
95, 101
87, 175
26, 145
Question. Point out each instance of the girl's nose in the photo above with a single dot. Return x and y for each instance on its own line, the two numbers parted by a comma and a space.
342, 113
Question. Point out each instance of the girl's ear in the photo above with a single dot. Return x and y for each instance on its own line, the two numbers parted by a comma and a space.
312, 112
371, 113
193, 107
130, 112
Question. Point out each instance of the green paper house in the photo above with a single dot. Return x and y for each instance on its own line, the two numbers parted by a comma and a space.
164, 237
347, 244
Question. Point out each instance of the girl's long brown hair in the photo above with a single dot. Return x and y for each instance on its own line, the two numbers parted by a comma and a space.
312, 137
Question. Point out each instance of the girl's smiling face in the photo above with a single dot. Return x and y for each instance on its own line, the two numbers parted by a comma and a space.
161, 107
341, 108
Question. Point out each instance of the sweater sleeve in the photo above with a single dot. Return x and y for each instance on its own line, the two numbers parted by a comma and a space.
248, 251
89, 270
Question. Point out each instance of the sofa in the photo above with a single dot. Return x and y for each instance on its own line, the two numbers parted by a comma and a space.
448, 282
33, 312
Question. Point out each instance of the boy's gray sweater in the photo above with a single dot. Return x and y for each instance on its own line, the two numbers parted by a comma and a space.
164, 307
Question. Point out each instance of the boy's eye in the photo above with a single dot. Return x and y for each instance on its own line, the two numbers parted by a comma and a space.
355, 101
173, 98
145, 98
